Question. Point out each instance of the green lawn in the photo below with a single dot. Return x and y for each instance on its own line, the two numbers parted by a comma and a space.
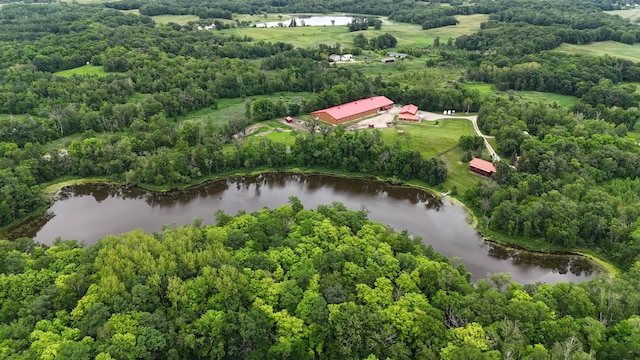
428, 137
431, 139
611, 48
83, 70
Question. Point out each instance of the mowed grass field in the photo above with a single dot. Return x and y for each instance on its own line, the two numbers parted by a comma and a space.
83, 70
431, 138
408, 35
611, 48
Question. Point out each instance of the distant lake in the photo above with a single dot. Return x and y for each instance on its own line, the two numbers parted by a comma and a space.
90, 212
311, 21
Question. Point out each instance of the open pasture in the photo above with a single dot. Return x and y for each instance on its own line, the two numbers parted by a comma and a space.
611, 48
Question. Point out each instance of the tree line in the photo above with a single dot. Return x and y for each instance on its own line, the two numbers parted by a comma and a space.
566, 186
295, 283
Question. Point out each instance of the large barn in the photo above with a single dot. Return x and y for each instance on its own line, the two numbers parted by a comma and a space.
353, 110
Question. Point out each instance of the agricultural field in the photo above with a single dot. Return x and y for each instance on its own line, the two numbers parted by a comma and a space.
611, 48
83, 70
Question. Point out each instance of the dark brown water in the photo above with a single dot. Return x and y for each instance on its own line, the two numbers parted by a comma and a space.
90, 212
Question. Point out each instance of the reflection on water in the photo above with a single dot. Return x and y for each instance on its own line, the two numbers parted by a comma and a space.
90, 212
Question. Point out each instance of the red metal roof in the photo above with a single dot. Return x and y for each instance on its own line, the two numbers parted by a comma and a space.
407, 116
357, 107
411, 109
482, 165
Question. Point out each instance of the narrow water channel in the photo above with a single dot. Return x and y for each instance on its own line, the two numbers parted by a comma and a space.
90, 212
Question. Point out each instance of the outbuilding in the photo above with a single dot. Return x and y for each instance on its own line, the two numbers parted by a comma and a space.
353, 110
482, 167
398, 55
408, 113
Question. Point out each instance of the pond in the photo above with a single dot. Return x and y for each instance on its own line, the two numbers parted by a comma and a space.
90, 212
302, 20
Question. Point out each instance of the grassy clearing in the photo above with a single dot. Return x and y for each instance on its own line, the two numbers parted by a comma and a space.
6, 117
485, 90
428, 137
229, 109
634, 135
611, 48
132, 11
468, 24
631, 14
89, 70
178, 19
565, 101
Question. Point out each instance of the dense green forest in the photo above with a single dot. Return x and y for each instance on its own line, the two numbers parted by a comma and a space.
297, 283
294, 283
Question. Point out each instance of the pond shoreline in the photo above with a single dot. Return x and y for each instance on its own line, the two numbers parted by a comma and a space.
597, 263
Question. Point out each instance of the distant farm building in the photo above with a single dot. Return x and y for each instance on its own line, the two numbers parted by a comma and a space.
408, 113
288, 119
398, 55
353, 110
482, 167
336, 57
388, 60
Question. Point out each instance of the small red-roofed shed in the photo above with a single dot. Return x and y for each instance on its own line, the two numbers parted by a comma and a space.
408, 113
353, 110
482, 167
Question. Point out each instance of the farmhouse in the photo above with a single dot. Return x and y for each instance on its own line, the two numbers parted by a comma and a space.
482, 167
337, 58
408, 113
353, 110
